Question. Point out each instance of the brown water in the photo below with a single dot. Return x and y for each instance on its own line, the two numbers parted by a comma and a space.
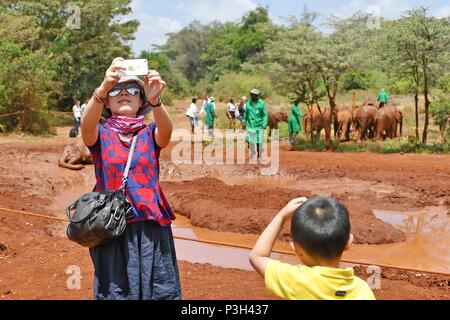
427, 246
219, 255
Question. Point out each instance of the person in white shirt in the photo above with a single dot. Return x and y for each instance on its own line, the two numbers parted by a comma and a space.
192, 113
76, 109
231, 114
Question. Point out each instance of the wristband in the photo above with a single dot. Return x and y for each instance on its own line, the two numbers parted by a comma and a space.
158, 103
98, 98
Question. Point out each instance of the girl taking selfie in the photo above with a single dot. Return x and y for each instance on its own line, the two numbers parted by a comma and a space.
141, 264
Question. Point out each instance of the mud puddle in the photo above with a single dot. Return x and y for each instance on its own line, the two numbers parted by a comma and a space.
66, 198
219, 255
427, 244
426, 248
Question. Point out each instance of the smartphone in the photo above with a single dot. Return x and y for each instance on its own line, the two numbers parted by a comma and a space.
134, 67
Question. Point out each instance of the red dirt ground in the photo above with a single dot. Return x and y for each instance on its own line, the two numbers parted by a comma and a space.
37, 255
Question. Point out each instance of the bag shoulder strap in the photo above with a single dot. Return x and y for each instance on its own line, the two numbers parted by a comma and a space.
127, 168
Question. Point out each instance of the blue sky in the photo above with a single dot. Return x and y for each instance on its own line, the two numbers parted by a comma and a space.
158, 18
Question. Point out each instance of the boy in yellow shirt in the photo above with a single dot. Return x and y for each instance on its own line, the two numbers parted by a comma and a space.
320, 230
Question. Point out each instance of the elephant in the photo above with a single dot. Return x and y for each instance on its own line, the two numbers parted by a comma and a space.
337, 109
74, 156
343, 123
398, 118
371, 102
385, 123
364, 121
314, 121
274, 118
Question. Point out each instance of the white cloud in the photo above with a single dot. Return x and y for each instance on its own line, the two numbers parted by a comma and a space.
153, 30
443, 12
209, 10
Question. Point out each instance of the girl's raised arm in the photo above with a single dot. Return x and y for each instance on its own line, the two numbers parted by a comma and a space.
92, 113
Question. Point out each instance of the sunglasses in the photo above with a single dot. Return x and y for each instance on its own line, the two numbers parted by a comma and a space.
134, 91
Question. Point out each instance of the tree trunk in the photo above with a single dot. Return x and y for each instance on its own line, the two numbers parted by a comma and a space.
332, 100
427, 107
417, 77
416, 110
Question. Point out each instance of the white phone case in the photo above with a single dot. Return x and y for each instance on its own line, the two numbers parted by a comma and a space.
135, 67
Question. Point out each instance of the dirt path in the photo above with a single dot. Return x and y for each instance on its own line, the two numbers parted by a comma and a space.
36, 255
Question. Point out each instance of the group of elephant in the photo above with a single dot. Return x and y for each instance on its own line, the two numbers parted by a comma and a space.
370, 121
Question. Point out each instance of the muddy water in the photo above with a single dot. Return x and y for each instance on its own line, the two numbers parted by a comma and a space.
427, 244
67, 197
219, 255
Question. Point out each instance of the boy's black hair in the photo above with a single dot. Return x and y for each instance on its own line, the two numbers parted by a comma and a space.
194, 99
321, 226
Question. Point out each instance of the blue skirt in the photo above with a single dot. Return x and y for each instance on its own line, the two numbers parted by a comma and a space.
139, 265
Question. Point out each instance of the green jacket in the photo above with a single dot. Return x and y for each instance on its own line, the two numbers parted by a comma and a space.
256, 119
210, 114
294, 119
383, 97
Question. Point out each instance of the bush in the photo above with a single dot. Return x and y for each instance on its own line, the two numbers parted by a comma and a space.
401, 86
61, 119
440, 111
167, 97
443, 83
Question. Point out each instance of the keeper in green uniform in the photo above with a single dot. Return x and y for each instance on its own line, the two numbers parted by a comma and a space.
294, 126
383, 99
256, 120
210, 112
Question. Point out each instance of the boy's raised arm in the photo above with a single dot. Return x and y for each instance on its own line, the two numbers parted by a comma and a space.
260, 254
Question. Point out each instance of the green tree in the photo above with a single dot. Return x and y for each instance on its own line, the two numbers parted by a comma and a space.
25, 79
418, 46
79, 55
185, 48
292, 63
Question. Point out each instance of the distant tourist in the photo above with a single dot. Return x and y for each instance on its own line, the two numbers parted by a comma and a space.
76, 110
192, 113
231, 114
